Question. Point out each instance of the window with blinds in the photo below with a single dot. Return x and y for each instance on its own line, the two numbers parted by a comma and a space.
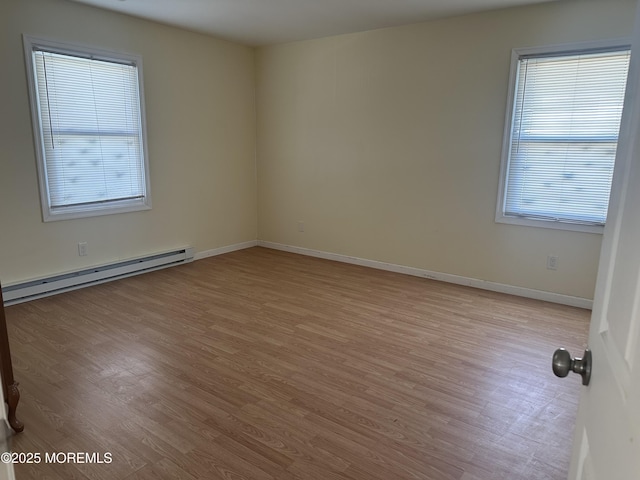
560, 149
89, 128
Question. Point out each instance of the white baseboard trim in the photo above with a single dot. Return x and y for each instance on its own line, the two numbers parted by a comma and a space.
443, 277
227, 249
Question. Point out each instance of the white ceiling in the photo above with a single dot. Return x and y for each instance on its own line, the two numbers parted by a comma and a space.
266, 22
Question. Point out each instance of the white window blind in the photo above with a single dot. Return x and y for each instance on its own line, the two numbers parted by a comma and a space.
91, 132
564, 133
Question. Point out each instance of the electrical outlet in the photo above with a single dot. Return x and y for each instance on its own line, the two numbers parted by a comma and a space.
301, 226
82, 249
552, 262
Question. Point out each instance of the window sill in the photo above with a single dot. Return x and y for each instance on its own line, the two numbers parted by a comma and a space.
69, 213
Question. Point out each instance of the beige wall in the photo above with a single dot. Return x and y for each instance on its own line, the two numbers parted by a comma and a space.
387, 145
201, 136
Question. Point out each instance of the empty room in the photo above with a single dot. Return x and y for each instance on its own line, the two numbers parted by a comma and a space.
320, 239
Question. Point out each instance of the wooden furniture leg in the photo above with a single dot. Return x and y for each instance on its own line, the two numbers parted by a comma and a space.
9, 386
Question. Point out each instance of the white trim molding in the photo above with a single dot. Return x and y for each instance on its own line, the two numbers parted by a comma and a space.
442, 277
227, 249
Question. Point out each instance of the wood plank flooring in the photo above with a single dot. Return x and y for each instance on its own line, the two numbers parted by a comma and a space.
261, 364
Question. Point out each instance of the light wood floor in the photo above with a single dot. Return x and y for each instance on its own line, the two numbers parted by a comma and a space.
261, 364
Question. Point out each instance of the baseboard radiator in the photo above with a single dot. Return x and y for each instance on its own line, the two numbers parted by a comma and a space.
43, 287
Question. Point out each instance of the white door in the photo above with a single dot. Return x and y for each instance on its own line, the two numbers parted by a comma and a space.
607, 439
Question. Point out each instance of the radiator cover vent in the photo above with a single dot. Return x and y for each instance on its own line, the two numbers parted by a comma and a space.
43, 287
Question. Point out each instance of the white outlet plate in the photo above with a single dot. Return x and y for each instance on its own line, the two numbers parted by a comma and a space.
301, 226
552, 262
82, 249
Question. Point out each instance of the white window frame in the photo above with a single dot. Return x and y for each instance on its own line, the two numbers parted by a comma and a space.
516, 55
80, 211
